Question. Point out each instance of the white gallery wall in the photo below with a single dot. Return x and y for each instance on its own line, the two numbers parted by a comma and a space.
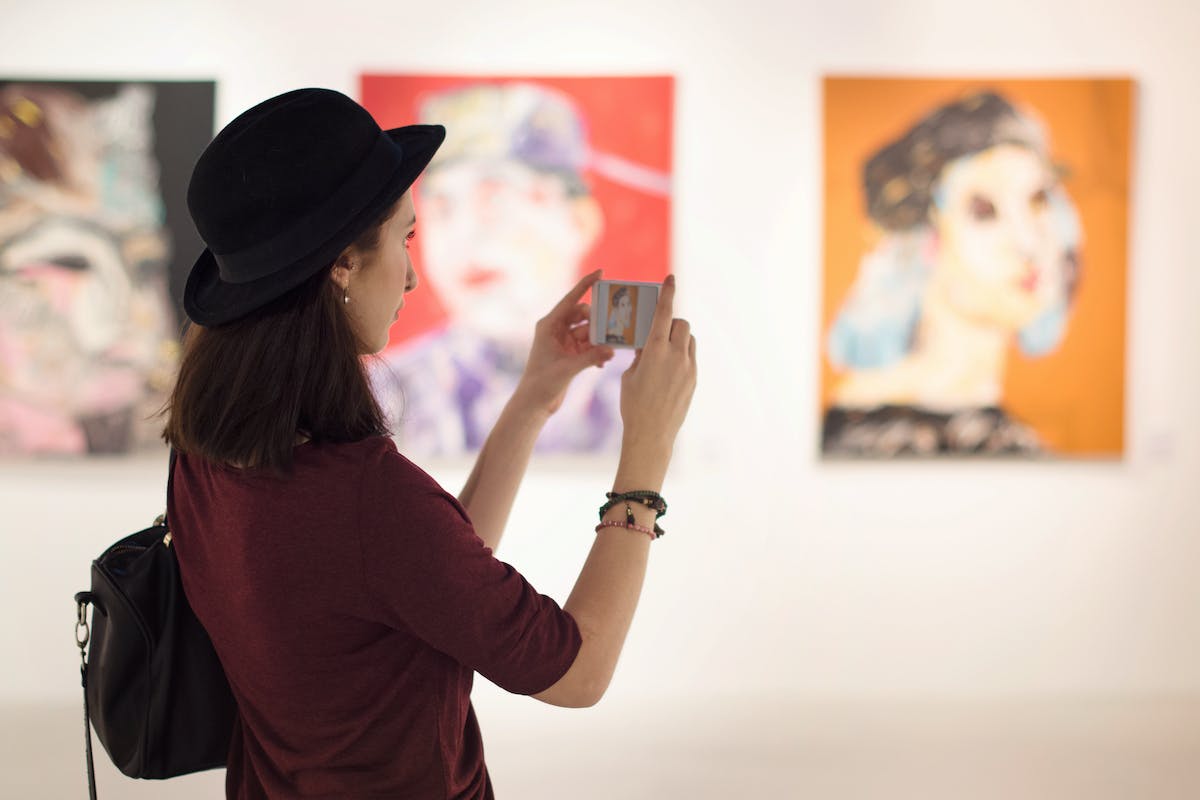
780, 574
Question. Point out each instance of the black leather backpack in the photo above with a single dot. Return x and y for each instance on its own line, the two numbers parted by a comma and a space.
154, 689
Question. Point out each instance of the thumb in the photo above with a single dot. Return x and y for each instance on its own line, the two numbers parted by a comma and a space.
637, 358
591, 357
598, 357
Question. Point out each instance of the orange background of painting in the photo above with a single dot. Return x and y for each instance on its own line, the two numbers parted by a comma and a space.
1074, 397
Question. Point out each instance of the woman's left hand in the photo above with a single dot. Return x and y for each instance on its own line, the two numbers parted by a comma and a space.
560, 351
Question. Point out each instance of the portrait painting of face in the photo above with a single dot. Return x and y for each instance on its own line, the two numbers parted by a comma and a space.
975, 242
91, 224
622, 313
539, 181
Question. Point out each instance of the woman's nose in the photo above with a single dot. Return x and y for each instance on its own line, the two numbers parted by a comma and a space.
1023, 233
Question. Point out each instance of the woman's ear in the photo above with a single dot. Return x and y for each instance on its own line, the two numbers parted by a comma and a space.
340, 272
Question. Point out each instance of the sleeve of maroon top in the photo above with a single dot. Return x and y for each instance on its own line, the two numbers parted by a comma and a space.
434, 577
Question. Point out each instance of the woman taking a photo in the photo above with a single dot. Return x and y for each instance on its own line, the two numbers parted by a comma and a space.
349, 597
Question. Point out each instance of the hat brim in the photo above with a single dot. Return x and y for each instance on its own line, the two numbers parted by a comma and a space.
210, 301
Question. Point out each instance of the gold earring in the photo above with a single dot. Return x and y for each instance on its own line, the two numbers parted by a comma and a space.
345, 295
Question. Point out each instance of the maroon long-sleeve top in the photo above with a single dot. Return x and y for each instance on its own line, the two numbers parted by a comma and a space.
351, 603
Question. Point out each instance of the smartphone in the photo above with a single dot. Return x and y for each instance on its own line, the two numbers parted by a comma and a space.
622, 312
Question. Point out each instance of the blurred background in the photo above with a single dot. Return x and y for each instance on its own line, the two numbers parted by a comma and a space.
810, 627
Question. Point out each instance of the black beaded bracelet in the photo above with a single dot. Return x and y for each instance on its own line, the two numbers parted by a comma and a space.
649, 499
611, 503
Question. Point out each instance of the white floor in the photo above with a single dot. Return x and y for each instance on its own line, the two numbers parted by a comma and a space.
1057, 749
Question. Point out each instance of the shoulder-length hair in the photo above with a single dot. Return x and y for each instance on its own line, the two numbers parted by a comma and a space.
246, 389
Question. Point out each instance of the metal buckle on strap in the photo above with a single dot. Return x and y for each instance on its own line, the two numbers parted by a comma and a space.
161, 519
83, 631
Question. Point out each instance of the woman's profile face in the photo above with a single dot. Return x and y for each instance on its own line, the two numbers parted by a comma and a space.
377, 288
1001, 249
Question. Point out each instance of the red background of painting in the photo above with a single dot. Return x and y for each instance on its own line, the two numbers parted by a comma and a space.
630, 117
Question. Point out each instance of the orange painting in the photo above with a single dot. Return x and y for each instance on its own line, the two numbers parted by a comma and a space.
975, 258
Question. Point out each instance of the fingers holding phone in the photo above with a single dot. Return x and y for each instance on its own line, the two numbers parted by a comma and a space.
657, 389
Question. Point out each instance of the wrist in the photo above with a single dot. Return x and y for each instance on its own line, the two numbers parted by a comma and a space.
644, 460
639, 474
526, 405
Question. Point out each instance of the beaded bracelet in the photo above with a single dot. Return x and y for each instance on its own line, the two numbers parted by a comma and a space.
631, 521
649, 499
612, 523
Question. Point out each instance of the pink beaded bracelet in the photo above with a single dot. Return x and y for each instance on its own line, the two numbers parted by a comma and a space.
612, 523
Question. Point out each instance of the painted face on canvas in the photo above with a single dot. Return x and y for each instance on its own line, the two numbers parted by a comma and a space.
85, 323
624, 310
502, 242
1002, 249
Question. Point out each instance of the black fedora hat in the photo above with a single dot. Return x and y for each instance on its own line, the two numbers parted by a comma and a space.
284, 188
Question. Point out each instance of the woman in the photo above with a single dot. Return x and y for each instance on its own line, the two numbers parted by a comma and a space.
349, 597
979, 248
620, 317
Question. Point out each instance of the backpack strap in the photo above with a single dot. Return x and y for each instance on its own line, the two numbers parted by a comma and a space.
170, 483
82, 634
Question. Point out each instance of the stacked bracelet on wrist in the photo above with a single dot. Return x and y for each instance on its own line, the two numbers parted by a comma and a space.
649, 499
618, 524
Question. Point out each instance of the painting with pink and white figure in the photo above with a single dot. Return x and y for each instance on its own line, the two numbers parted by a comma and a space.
95, 244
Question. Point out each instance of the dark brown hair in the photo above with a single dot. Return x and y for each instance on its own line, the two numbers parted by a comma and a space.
247, 388
901, 178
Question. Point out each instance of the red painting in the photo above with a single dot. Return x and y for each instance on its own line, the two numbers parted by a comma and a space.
539, 181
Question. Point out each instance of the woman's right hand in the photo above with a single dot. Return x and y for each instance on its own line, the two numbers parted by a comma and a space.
657, 389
